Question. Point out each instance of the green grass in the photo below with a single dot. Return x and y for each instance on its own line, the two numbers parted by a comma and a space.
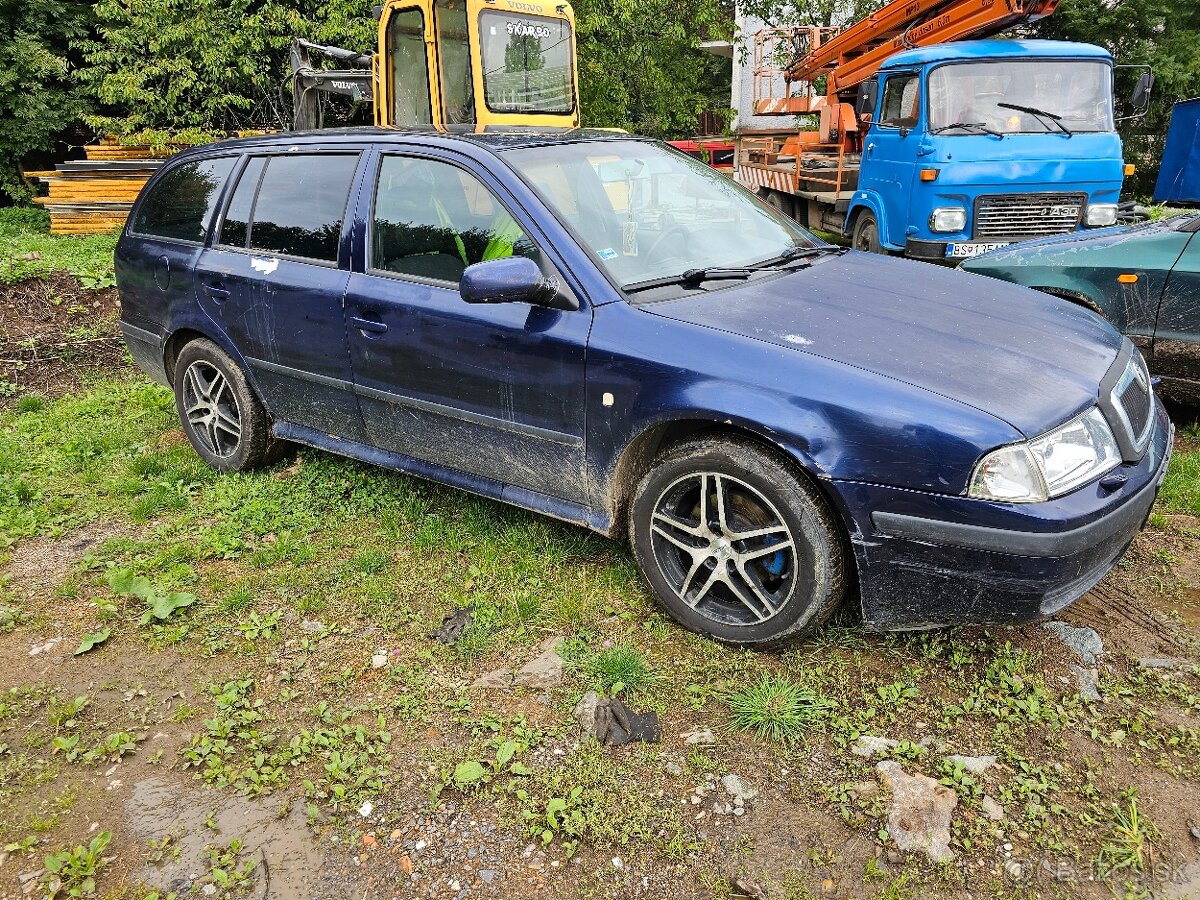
1181, 488
776, 708
28, 250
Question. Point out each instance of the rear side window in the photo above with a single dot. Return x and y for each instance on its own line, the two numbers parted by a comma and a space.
291, 205
180, 205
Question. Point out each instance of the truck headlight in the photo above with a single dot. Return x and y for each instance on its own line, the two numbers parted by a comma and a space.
1048, 466
948, 218
1100, 214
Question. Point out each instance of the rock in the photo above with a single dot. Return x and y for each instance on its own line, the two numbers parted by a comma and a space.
486, 875
366, 809
864, 790
545, 670
869, 745
313, 626
1083, 642
699, 736
1014, 870
918, 817
673, 769
992, 809
1194, 831
750, 888
585, 712
379, 660
497, 678
39, 649
406, 864
1150, 662
738, 788
1086, 680
976, 765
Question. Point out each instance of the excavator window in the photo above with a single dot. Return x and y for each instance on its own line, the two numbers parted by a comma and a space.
901, 100
458, 93
527, 65
409, 68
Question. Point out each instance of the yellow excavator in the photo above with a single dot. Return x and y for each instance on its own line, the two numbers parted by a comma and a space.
468, 65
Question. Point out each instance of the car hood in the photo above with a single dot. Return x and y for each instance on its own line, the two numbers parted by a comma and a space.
1077, 243
1025, 357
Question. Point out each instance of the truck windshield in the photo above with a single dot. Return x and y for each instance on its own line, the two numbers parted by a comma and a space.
1056, 95
645, 211
527, 65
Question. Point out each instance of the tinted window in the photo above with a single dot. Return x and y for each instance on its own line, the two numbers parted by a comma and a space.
236, 226
433, 220
181, 204
300, 205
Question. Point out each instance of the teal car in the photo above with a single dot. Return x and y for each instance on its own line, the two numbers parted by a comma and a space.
1144, 278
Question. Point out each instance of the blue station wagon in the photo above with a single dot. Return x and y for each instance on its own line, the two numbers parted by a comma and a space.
596, 327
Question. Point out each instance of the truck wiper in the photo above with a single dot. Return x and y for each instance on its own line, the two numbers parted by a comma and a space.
1041, 114
978, 126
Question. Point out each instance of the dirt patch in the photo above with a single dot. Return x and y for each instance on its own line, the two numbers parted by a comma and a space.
46, 562
54, 335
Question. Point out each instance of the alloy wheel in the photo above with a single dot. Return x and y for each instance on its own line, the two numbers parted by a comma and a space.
211, 408
724, 548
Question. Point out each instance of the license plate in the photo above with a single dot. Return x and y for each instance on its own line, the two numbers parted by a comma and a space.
963, 251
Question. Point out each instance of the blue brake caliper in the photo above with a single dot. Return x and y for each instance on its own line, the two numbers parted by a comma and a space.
774, 562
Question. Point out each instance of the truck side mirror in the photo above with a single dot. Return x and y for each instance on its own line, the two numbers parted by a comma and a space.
868, 92
1140, 98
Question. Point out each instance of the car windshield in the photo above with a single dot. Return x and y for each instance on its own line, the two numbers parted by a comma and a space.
646, 211
526, 62
1031, 96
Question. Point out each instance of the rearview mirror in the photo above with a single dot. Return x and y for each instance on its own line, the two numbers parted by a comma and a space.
513, 279
1140, 98
868, 92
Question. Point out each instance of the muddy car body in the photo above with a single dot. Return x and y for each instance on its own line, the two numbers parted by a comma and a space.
606, 332
1145, 279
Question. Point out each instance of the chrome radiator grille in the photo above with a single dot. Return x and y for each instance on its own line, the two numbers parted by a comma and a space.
1011, 217
1135, 398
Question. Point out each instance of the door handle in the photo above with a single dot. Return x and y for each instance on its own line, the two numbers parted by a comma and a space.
373, 326
216, 292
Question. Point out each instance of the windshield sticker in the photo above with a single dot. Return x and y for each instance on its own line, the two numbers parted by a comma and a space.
629, 245
607, 253
266, 266
528, 29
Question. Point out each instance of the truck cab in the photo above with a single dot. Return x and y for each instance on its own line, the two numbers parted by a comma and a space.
974, 145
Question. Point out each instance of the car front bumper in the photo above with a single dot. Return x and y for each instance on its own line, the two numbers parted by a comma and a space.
926, 560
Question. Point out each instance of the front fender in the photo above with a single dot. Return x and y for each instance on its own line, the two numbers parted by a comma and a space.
873, 203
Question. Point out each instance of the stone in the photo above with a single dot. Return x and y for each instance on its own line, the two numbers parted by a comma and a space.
1083, 642
1086, 681
702, 736
919, 814
976, 765
39, 649
545, 670
869, 745
992, 809
487, 875
1194, 831
379, 660
673, 769
738, 788
497, 678
313, 626
585, 711
1151, 662
864, 790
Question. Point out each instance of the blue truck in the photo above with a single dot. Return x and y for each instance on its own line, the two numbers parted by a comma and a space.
938, 152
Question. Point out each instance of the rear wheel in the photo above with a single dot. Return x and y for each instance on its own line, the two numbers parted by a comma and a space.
220, 413
735, 544
866, 234
780, 201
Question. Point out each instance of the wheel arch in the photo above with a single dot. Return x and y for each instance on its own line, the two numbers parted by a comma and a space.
1077, 297
866, 201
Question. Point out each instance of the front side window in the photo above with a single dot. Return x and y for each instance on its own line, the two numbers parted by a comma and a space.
645, 211
432, 220
901, 101
527, 65
458, 93
1074, 94
410, 68
291, 205
180, 205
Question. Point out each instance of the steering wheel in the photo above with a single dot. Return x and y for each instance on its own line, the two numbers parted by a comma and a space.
661, 239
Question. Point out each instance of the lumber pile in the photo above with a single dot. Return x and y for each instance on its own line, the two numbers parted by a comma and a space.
95, 195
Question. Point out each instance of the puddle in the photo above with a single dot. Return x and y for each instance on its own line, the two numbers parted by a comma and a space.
158, 807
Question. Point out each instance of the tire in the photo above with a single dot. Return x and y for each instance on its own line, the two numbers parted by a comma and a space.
227, 425
866, 234
737, 590
781, 202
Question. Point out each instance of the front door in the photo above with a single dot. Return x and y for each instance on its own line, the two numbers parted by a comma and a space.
890, 150
1177, 331
492, 390
272, 281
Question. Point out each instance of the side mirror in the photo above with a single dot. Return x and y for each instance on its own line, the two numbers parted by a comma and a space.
513, 279
868, 93
1140, 98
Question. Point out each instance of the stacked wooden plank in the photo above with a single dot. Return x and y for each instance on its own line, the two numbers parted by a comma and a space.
95, 195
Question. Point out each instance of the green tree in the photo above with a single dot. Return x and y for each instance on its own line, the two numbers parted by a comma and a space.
37, 95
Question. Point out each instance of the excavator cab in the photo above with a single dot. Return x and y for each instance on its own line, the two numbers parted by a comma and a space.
459, 65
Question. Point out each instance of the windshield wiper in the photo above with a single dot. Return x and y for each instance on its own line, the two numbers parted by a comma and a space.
979, 126
695, 277
1041, 114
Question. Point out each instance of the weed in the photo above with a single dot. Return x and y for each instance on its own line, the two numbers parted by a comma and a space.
776, 708
1130, 840
74, 871
618, 669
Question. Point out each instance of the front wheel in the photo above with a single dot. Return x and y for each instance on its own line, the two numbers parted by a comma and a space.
736, 544
866, 234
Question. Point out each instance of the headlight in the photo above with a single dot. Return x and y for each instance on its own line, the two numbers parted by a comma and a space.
1099, 214
949, 218
1049, 466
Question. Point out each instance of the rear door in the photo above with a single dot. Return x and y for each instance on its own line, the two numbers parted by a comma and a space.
275, 279
492, 390
889, 152
1177, 331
